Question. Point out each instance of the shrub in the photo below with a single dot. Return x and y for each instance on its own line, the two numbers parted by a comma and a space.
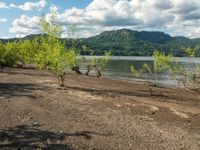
52, 54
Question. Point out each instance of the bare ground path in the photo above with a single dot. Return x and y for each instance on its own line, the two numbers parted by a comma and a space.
92, 113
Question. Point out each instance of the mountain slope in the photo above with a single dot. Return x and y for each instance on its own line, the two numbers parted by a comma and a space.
131, 43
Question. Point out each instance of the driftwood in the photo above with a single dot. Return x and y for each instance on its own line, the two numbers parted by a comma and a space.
97, 70
76, 69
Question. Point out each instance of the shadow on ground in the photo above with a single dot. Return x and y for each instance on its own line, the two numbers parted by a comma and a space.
29, 72
30, 137
8, 90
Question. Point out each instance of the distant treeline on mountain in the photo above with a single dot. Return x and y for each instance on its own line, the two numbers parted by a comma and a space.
127, 42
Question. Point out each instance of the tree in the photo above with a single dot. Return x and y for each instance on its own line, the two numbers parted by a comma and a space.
191, 78
2, 53
10, 54
28, 50
52, 54
98, 64
161, 63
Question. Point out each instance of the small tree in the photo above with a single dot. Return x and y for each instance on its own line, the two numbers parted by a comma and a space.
2, 53
28, 50
191, 78
10, 54
161, 63
98, 64
52, 54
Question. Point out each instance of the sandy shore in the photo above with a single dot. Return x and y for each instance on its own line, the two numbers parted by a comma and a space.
94, 113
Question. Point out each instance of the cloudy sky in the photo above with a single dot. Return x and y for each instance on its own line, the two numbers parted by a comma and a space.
19, 18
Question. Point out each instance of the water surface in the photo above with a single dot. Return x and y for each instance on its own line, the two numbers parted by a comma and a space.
119, 67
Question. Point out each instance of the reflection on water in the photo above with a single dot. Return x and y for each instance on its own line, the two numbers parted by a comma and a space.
119, 68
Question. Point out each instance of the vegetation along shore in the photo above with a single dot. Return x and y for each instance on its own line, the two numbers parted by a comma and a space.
56, 105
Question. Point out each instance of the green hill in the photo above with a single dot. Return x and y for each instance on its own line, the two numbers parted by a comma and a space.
135, 43
127, 42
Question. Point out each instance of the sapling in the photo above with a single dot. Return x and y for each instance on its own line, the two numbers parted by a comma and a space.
161, 63
191, 78
98, 64
52, 54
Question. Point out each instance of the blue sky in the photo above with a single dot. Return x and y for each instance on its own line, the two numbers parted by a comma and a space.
19, 18
12, 14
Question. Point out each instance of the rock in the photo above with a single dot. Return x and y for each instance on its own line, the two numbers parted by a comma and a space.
35, 123
48, 141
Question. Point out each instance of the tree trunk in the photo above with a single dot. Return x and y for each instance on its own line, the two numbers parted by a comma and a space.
98, 73
61, 80
88, 70
76, 69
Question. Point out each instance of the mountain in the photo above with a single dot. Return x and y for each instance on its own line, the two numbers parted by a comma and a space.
127, 42
138, 43
196, 40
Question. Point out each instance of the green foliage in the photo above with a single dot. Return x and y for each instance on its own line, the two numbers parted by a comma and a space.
9, 54
133, 43
136, 72
53, 55
52, 29
28, 49
191, 78
2, 53
124, 42
45, 52
192, 52
98, 64
161, 63
101, 62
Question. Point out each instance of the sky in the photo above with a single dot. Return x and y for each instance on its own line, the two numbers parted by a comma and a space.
19, 18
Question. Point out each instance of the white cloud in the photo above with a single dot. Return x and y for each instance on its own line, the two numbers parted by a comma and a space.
175, 16
53, 8
3, 20
27, 6
3, 5
25, 26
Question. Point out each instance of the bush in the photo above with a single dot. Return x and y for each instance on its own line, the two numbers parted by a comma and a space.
52, 54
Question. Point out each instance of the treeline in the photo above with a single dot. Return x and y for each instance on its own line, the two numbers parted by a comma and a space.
126, 42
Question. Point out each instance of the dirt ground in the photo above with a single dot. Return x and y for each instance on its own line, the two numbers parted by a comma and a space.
93, 113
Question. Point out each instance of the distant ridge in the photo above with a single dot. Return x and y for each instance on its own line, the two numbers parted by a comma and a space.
127, 42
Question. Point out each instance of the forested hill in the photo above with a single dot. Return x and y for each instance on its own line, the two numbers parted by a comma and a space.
132, 43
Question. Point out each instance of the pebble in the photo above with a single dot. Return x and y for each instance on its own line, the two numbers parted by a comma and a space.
35, 123
48, 141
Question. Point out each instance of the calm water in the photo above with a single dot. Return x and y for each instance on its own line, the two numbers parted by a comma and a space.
119, 68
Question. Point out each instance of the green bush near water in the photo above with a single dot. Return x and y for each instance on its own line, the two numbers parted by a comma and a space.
47, 51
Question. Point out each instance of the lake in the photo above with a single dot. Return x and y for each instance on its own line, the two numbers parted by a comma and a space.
119, 68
